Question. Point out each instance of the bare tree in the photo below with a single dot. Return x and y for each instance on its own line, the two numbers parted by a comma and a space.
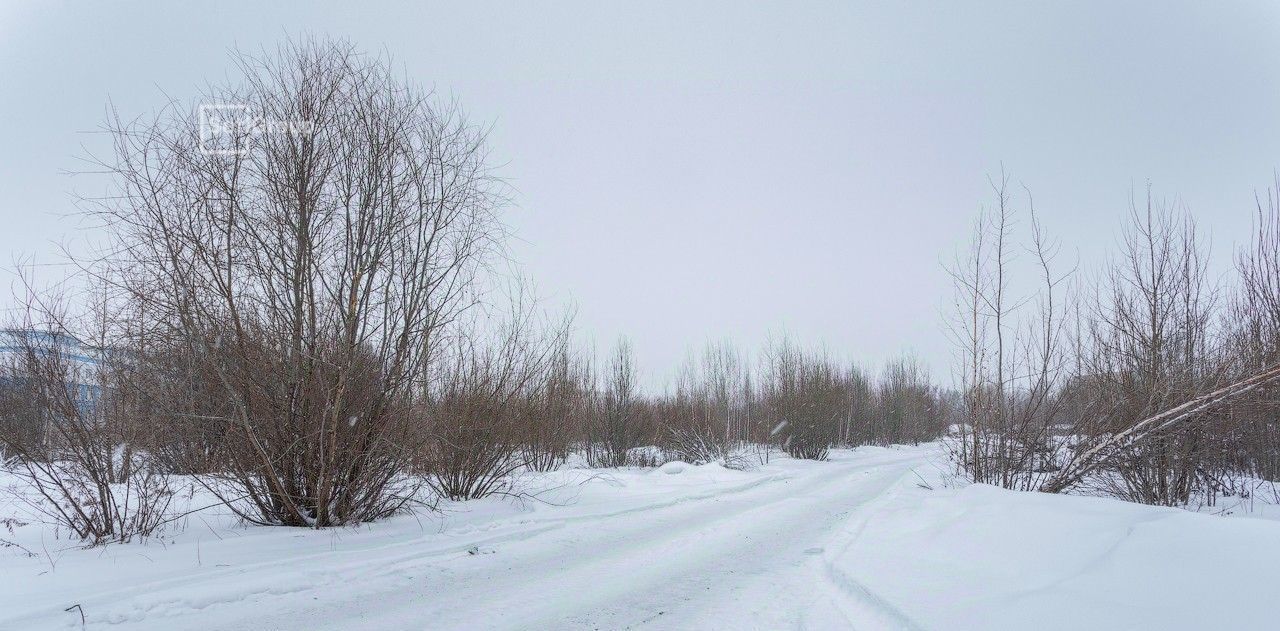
1012, 351
304, 270
1257, 306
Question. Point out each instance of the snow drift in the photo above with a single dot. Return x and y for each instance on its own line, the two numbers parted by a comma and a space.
987, 558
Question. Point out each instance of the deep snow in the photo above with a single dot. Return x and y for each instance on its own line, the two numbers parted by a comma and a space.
857, 542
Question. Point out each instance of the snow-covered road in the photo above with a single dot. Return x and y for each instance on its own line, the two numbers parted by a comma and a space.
750, 558
678, 547
857, 542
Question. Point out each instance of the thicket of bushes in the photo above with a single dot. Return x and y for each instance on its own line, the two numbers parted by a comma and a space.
1151, 379
526, 400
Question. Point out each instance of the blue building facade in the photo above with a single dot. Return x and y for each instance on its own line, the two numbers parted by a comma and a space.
82, 362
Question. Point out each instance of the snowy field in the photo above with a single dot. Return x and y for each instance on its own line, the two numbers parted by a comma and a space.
857, 542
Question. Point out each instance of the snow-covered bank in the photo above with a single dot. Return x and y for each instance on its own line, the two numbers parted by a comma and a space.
854, 542
986, 558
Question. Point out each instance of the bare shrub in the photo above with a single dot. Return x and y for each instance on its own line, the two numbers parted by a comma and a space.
1254, 446
1183, 407
60, 401
618, 420
1151, 347
475, 415
908, 407
1160, 403
470, 451
712, 415
701, 447
804, 396
805, 403
863, 422
556, 411
645, 457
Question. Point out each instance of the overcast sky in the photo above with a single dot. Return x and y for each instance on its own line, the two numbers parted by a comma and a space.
687, 172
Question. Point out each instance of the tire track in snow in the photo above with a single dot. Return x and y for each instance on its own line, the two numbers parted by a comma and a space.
858, 600
666, 569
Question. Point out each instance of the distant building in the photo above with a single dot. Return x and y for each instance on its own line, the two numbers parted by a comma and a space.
83, 361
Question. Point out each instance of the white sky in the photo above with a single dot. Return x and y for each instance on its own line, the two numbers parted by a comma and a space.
690, 173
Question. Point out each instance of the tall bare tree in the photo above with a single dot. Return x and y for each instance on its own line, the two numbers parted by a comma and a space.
301, 264
1012, 350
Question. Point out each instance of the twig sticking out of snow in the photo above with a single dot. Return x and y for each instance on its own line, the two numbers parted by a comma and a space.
80, 609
